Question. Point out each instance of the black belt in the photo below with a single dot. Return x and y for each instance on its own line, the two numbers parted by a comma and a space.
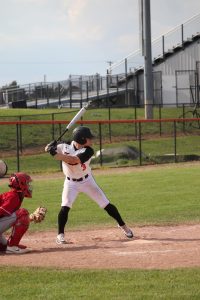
78, 179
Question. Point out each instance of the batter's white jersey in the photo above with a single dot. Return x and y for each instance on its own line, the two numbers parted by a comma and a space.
78, 177
77, 170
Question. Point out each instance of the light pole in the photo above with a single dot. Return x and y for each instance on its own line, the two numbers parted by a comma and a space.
145, 39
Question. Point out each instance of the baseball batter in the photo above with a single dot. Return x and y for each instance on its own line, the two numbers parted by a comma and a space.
76, 157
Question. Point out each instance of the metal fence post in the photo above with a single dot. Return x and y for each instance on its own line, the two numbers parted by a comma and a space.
59, 129
87, 91
163, 45
117, 79
52, 117
59, 94
107, 90
100, 145
70, 94
36, 100
20, 134
81, 91
109, 117
183, 117
175, 144
17, 142
97, 85
182, 35
140, 145
160, 117
136, 131
126, 82
47, 90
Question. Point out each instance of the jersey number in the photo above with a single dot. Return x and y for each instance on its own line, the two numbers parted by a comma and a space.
83, 166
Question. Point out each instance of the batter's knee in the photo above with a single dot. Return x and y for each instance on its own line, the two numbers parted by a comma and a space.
109, 207
64, 209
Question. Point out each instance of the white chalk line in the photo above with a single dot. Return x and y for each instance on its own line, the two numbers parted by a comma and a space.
124, 253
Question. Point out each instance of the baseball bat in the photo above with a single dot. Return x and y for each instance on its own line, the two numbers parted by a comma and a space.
77, 117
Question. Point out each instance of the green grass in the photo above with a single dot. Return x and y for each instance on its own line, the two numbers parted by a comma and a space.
52, 284
39, 163
158, 196
92, 114
166, 145
152, 197
97, 113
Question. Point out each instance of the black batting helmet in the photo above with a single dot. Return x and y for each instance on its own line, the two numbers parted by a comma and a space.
81, 133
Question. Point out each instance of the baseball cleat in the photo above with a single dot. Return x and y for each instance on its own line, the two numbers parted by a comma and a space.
19, 246
127, 231
16, 250
60, 239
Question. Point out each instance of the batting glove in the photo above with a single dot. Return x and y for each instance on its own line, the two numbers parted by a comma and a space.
52, 144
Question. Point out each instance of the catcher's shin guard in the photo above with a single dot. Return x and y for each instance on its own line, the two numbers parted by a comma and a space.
20, 227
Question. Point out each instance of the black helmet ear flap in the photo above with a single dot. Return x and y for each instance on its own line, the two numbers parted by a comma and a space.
79, 139
82, 141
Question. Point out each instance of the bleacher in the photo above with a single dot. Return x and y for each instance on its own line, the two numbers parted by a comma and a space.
122, 85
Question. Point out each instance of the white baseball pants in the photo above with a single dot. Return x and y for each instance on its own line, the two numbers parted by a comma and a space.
88, 186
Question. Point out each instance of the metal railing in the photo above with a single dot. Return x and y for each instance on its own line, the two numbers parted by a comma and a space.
162, 45
115, 87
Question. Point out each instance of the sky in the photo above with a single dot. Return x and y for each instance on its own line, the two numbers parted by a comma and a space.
48, 40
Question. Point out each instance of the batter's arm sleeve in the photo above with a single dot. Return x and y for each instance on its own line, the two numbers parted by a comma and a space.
86, 155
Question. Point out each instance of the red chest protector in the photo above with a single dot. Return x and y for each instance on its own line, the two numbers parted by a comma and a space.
9, 203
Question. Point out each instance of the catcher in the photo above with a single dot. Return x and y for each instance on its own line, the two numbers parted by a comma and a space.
15, 217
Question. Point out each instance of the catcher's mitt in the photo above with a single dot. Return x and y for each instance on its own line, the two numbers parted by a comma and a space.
38, 215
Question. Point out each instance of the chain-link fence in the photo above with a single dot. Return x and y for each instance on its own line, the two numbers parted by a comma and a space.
117, 142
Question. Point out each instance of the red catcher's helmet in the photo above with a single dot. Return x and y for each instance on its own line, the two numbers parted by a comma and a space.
22, 183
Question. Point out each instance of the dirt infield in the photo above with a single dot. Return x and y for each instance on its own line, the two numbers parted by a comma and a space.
152, 248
